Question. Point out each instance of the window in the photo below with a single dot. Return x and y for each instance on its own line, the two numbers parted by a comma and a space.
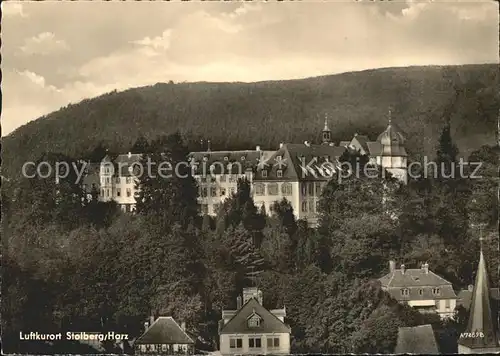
304, 189
278, 158
254, 321
222, 178
254, 342
107, 192
232, 178
143, 348
108, 180
204, 208
272, 189
311, 189
405, 292
286, 189
128, 180
102, 192
226, 158
242, 158
264, 173
117, 179
311, 206
279, 173
318, 188
447, 303
420, 292
235, 343
233, 190
273, 342
222, 191
204, 192
304, 207
216, 208
248, 175
203, 179
212, 179
164, 347
260, 189
317, 206
118, 192
213, 191
129, 192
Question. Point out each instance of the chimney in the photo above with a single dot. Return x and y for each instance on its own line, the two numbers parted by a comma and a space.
151, 319
281, 144
208, 145
425, 268
259, 297
257, 148
129, 155
470, 288
146, 325
238, 302
392, 266
402, 269
183, 326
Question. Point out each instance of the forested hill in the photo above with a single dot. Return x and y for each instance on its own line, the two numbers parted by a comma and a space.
242, 115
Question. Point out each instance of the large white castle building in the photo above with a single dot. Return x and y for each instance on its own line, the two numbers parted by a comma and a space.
297, 172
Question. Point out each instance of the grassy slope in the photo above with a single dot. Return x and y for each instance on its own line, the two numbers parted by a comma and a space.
241, 115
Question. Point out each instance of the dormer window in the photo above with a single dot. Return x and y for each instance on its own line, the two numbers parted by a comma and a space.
436, 291
278, 158
254, 321
405, 292
279, 173
226, 158
242, 158
420, 292
264, 173
205, 158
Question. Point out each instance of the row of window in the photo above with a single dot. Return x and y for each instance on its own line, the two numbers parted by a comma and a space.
214, 192
273, 189
254, 343
231, 178
107, 180
163, 347
406, 291
310, 207
118, 192
311, 189
279, 173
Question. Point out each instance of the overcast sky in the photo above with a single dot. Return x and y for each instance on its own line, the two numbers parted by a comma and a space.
55, 53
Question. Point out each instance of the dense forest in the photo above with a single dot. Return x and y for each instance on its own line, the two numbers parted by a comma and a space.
74, 266
243, 115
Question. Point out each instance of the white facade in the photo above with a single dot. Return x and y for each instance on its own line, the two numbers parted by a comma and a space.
255, 344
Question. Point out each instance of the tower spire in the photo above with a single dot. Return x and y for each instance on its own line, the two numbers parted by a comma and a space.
326, 123
390, 115
326, 133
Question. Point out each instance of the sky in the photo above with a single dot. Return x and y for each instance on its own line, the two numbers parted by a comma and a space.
56, 53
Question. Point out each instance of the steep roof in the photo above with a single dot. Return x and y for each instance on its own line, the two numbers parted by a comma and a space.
417, 281
235, 162
164, 330
294, 159
269, 323
481, 317
416, 340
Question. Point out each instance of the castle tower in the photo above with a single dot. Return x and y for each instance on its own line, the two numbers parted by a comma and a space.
481, 334
326, 134
393, 155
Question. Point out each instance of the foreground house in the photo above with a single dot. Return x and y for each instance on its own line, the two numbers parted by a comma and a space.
420, 288
164, 337
252, 329
481, 334
418, 340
